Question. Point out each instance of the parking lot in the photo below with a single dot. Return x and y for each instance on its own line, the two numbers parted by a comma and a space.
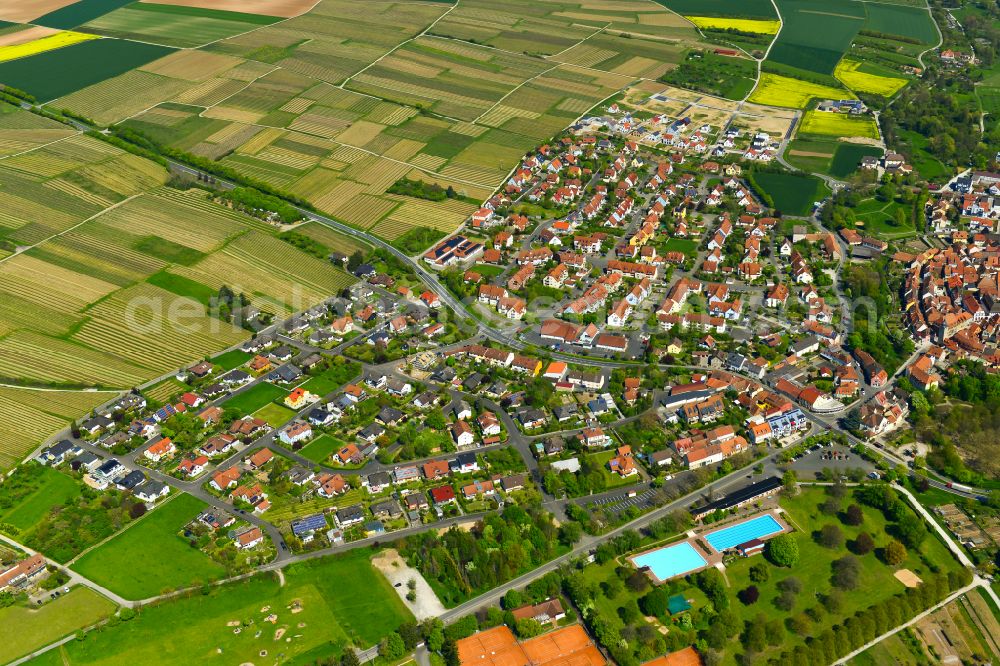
834, 457
622, 501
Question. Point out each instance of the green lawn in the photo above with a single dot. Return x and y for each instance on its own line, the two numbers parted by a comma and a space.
613, 479
27, 629
276, 415
879, 218
150, 557
254, 398
182, 286
232, 359
488, 271
49, 488
685, 245
320, 448
793, 193
332, 378
341, 598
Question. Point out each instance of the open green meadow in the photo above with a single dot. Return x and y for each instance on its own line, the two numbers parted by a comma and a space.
813, 35
793, 194
912, 22
342, 599
37, 627
249, 401
231, 359
57, 73
735, 8
274, 414
879, 218
79, 12
320, 448
848, 156
26, 497
150, 557
332, 378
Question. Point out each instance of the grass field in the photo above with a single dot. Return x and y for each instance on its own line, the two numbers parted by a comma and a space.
879, 218
688, 247
150, 557
254, 398
814, 36
793, 194
343, 599
825, 123
56, 73
51, 488
320, 448
275, 415
78, 13
80, 608
752, 8
848, 156
852, 73
778, 90
231, 359
743, 25
913, 22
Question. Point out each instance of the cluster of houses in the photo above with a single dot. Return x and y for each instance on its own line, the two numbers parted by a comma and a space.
951, 298
103, 473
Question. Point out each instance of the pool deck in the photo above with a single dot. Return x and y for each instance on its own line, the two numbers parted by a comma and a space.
712, 557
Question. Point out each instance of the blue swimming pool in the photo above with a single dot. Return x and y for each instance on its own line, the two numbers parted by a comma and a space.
665, 563
734, 535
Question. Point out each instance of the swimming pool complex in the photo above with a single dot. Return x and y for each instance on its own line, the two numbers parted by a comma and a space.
734, 535
665, 563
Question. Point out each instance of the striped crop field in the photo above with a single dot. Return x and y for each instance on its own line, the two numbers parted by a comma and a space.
28, 416
155, 329
33, 357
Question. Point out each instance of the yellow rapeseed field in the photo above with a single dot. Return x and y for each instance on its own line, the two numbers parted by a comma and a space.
848, 72
56, 41
777, 90
763, 27
838, 124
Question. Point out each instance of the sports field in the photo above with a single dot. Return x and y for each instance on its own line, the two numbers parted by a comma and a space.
37, 627
150, 557
825, 123
777, 90
341, 598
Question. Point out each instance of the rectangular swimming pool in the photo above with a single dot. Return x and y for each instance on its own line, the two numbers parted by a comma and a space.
665, 563
734, 535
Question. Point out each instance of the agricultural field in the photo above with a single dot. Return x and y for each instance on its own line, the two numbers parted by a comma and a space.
109, 287
172, 25
67, 15
339, 599
43, 44
152, 538
778, 90
793, 194
37, 627
28, 417
759, 26
867, 78
895, 19
815, 36
59, 72
813, 154
825, 123
759, 9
